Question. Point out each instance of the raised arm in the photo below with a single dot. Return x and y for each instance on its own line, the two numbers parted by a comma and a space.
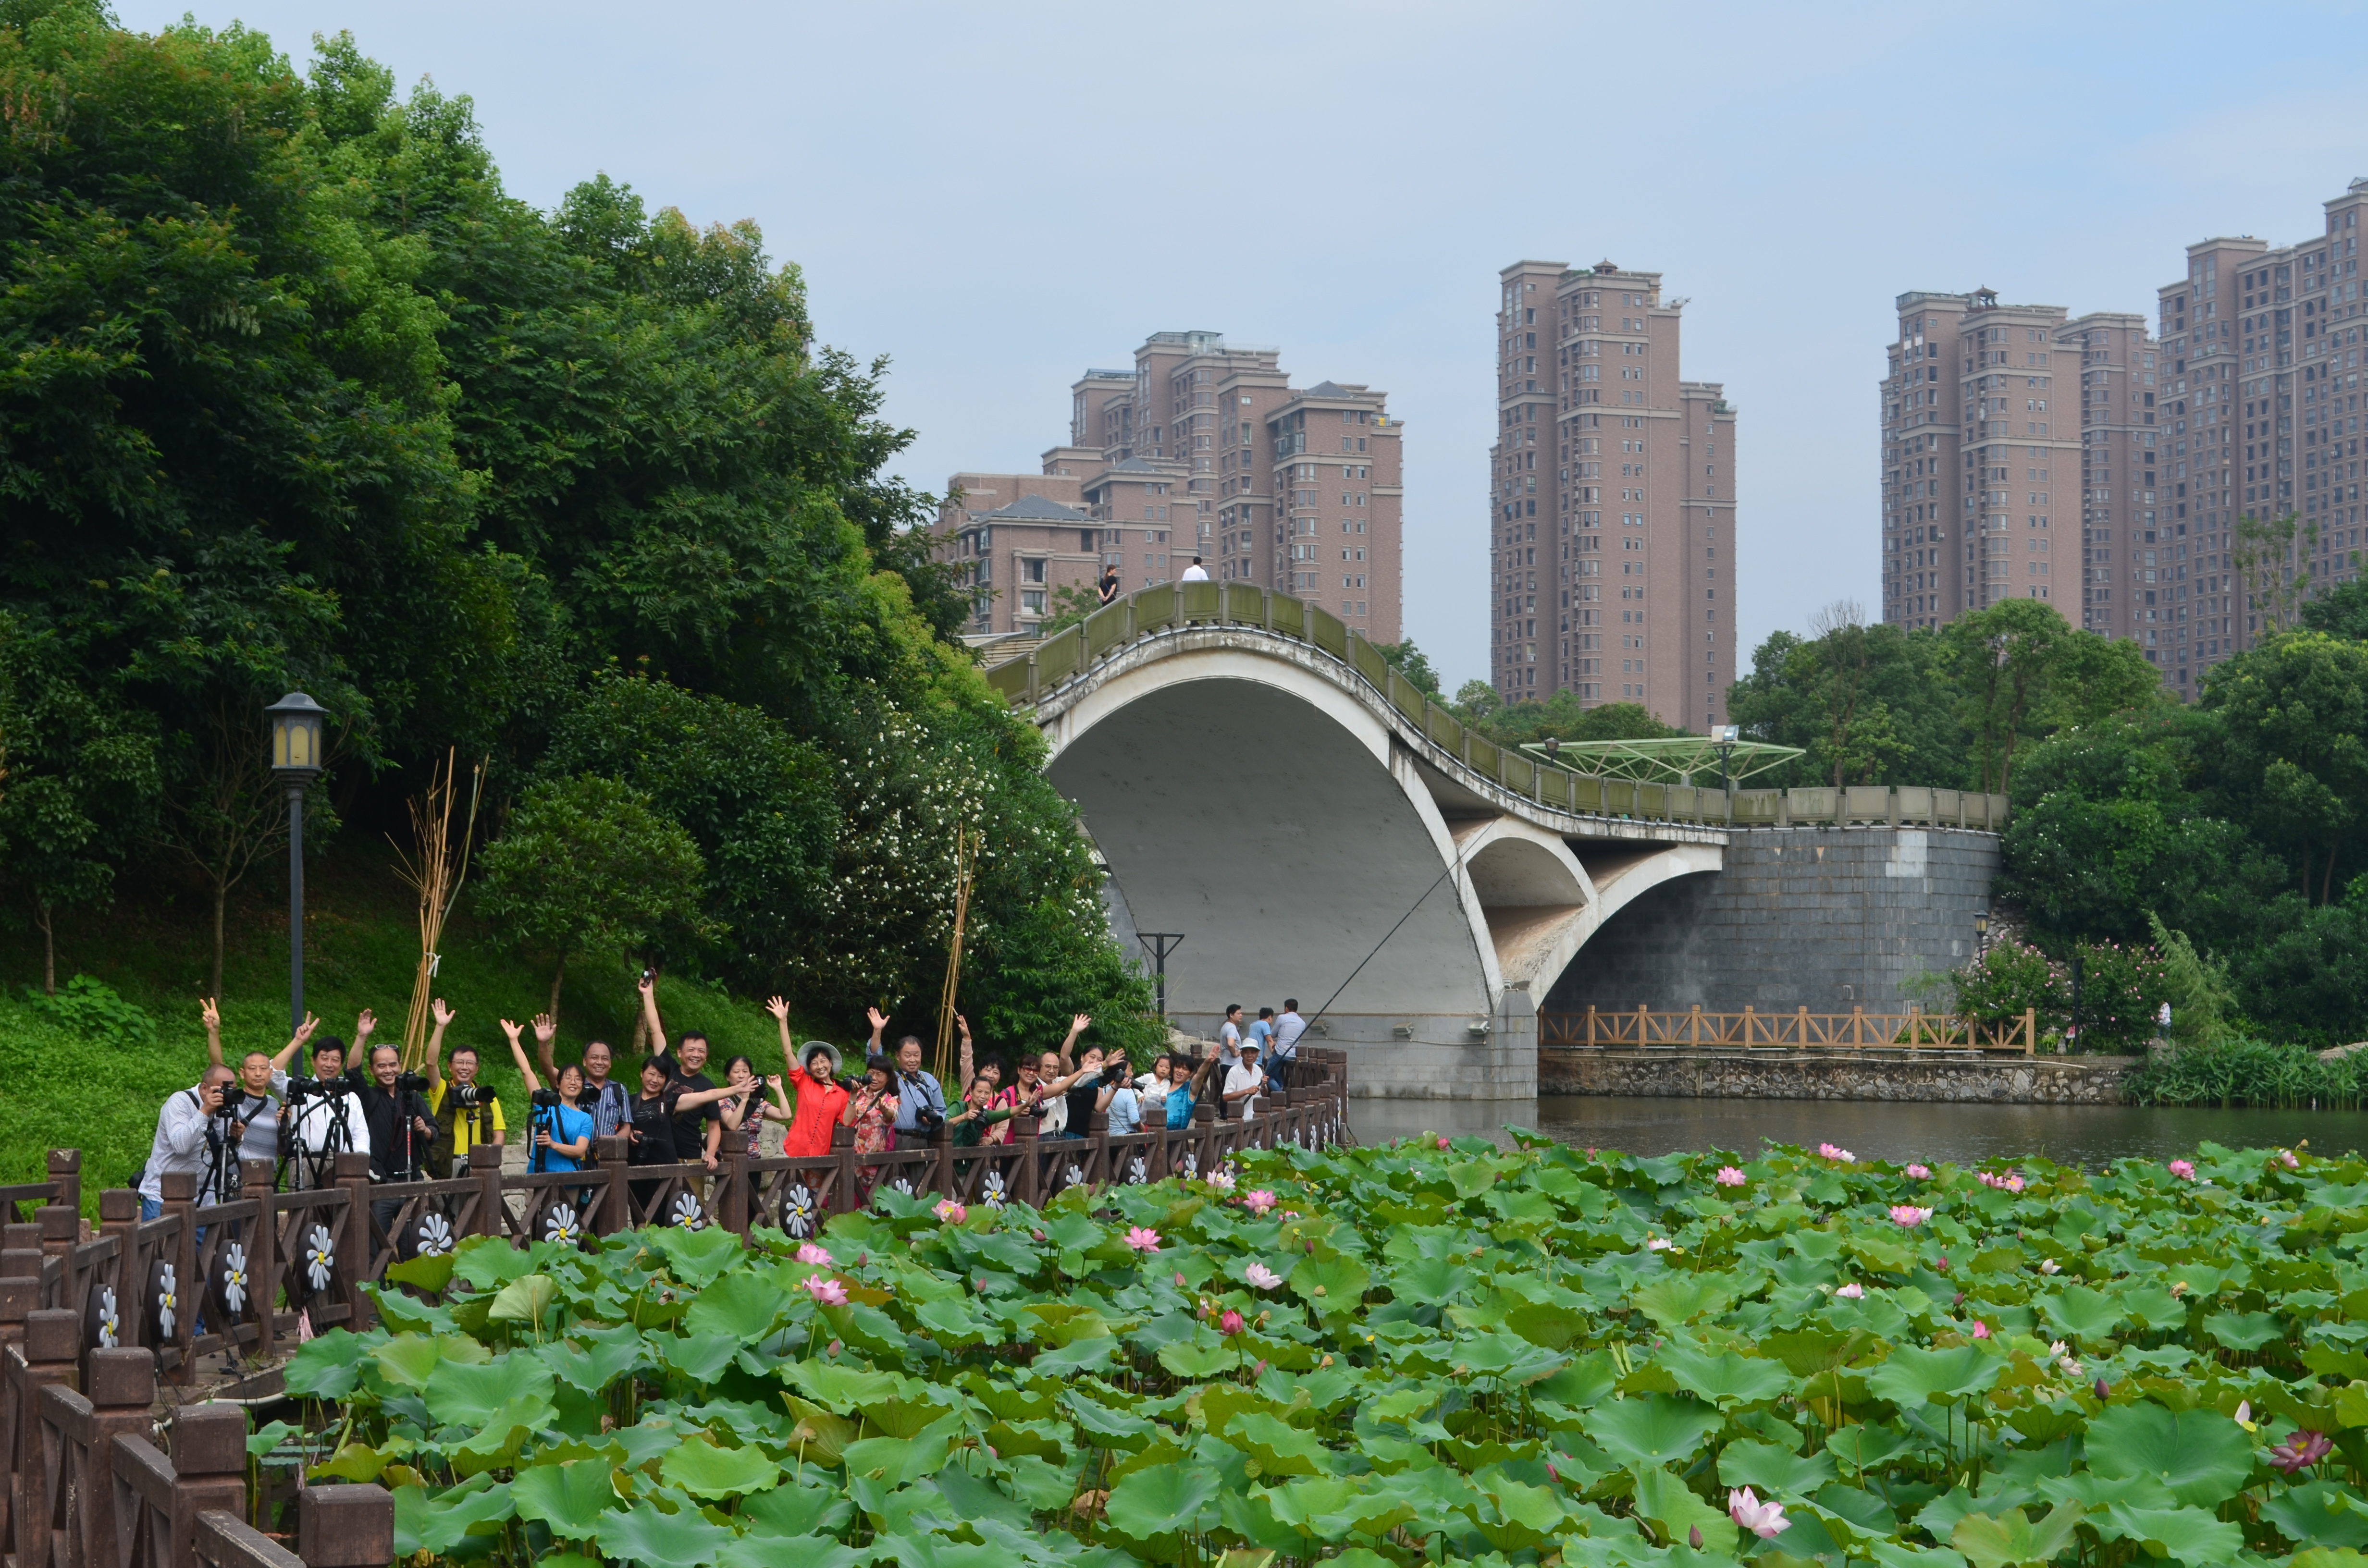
879, 1021
364, 1022
546, 1030
781, 1011
518, 1055
443, 1017
211, 1015
777, 1106
650, 1014
1078, 1026
969, 1068
295, 1043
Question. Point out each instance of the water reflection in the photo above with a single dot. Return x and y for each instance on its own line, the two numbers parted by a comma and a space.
1874, 1129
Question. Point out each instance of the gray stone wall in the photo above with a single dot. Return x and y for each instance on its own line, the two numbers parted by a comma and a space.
1817, 918
1836, 1076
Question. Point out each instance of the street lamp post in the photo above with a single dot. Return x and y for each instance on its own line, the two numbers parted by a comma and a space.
1161, 943
1981, 932
296, 762
1726, 736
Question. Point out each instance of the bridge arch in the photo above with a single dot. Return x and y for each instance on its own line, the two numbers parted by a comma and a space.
1262, 797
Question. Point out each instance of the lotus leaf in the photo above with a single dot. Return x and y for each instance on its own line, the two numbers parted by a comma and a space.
570, 1498
2320, 1513
1911, 1377
1668, 1502
1655, 1431
1769, 1468
705, 1471
643, 1534
2200, 1457
459, 1394
1992, 1540
1164, 1501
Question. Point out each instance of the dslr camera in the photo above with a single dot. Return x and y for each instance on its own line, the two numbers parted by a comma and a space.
465, 1095
315, 1086
411, 1083
545, 1099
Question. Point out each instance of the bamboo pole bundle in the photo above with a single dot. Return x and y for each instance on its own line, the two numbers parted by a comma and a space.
435, 871
965, 863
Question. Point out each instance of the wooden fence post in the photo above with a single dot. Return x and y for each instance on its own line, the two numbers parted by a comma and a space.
2030, 1030
346, 1527
615, 1155
65, 1172
731, 1205
353, 1252
485, 1170
61, 1227
51, 1338
122, 1391
209, 1465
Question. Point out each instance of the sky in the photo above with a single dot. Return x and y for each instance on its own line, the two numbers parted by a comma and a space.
995, 197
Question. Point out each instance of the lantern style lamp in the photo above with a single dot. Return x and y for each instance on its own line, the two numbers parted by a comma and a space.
1981, 932
296, 725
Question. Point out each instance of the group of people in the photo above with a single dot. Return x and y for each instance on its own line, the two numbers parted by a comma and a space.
421, 1126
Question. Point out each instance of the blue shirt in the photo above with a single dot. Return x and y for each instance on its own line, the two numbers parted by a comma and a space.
911, 1098
1179, 1107
1263, 1032
573, 1124
1125, 1112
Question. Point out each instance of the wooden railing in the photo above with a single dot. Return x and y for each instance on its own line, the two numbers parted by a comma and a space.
1798, 1030
249, 1275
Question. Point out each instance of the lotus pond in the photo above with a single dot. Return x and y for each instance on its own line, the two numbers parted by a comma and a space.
1428, 1351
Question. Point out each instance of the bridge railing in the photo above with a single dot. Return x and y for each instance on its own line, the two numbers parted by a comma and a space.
1799, 1029
1172, 607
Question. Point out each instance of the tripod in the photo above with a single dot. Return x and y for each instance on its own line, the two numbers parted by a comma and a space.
224, 1133
314, 1167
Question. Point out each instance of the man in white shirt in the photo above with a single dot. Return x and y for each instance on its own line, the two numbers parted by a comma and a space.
317, 1122
1243, 1080
181, 1141
1229, 1037
1196, 572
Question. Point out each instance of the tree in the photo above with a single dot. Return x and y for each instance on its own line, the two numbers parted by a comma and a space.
2343, 612
2007, 657
588, 866
1870, 704
2293, 722
1475, 699
1072, 602
2272, 555
81, 787
1412, 662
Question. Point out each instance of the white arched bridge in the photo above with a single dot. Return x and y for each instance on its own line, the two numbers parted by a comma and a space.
1261, 782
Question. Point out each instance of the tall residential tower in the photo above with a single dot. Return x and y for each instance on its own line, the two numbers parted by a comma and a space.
1613, 500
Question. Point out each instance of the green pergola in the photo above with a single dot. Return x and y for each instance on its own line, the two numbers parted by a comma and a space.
1679, 760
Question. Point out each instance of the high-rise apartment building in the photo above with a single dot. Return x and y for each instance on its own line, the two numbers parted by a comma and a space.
1611, 500
2266, 349
1203, 449
2244, 402
1981, 458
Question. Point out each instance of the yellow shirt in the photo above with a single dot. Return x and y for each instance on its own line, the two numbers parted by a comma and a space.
468, 1132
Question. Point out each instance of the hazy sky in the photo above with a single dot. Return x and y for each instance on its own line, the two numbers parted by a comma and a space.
997, 196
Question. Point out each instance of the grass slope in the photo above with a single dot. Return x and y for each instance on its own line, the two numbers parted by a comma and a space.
70, 1088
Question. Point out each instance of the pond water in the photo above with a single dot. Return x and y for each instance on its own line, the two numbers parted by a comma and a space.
1873, 1129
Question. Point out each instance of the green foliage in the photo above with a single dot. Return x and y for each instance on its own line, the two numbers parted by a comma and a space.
1024, 1386
1071, 603
2343, 611
2196, 988
91, 1009
1561, 715
1870, 705
589, 866
2293, 751
1412, 662
2232, 1072
299, 396
2121, 989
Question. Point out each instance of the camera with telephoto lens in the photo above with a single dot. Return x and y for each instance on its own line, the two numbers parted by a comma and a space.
316, 1085
411, 1083
465, 1095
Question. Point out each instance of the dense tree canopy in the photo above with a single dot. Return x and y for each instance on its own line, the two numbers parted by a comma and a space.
295, 395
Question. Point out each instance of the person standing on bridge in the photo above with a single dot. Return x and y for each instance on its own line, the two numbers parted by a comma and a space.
1196, 572
1108, 587
1229, 1037
1245, 1082
1287, 1031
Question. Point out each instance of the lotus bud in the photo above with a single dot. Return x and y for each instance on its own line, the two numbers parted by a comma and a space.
1693, 1537
2103, 1389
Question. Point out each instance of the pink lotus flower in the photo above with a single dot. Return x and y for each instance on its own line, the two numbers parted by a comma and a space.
1981, 1329
1260, 1277
828, 1293
1910, 1215
809, 1253
1832, 1151
1231, 1322
1222, 1180
1765, 1520
1258, 1201
2002, 1183
1657, 1244
834, 1347
1729, 1176
1141, 1238
2286, 1158
1179, 1280
1852, 1291
953, 1213
1919, 1173
1442, 1143
2183, 1169
2302, 1450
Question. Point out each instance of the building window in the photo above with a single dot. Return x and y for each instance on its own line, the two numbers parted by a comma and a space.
1033, 571
1032, 601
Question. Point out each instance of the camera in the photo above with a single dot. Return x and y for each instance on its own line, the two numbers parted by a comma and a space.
465, 1095
545, 1099
316, 1086
1115, 1073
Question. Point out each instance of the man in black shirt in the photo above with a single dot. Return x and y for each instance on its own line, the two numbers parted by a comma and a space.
401, 1130
698, 1135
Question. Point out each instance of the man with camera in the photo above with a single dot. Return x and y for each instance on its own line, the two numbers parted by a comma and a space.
467, 1113
253, 1103
920, 1103
181, 1142
323, 1116
395, 1117
697, 1133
